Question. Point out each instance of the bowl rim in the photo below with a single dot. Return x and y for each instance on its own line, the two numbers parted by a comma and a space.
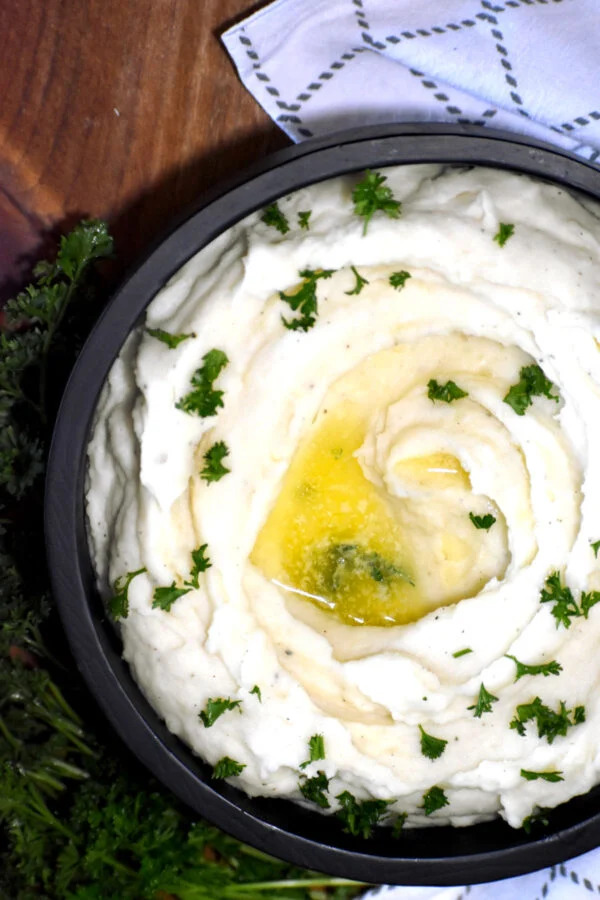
317, 841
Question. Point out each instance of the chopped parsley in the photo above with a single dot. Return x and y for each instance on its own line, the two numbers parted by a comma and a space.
360, 817
203, 400
273, 216
595, 545
544, 776
316, 750
460, 653
398, 826
399, 279
550, 724
504, 232
227, 768
588, 599
565, 608
256, 690
545, 669
340, 562
213, 458
359, 283
484, 522
532, 383
540, 817
171, 340
372, 194
484, 702
165, 597
434, 799
118, 605
215, 708
304, 300
314, 789
431, 747
303, 219
444, 392
200, 563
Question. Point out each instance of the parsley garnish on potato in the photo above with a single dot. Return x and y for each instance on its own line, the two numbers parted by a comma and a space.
359, 283
484, 522
505, 231
315, 788
595, 545
371, 195
550, 724
360, 817
118, 605
532, 383
463, 652
215, 708
165, 597
200, 563
213, 458
431, 747
316, 750
273, 216
227, 768
544, 776
256, 690
545, 669
398, 826
304, 219
304, 300
171, 340
539, 817
399, 279
565, 607
484, 702
203, 400
434, 799
588, 599
444, 392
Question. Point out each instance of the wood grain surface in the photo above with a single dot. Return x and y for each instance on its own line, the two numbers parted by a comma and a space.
123, 109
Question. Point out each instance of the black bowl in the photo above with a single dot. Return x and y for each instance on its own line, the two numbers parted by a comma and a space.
441, 856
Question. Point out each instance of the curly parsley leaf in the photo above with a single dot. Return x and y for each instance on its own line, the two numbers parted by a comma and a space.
215, 708
227, 768
171, 340
505, 231
545, 669
595, 545
484, 702
256, 690
399, 279
304, 300
316, 750
483, 522
565, 608
532, 383
434, 799
371, 194
359, 283
118, 605
398, 826
273, 216
431, 747
203, 400
214, 469
588, 599
444, 392
543, 776
460, 653
315, 789
550, 724
360, 817
200, 563
539, 817
165, 597
304, 219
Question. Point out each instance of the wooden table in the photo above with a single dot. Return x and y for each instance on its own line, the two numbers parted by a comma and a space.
122, 109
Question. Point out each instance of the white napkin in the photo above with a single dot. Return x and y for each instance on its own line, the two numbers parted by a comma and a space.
530, 66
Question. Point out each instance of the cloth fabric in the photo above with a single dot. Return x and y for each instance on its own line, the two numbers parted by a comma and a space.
529, 66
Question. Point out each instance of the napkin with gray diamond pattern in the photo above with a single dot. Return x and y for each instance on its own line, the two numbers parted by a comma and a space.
529, 66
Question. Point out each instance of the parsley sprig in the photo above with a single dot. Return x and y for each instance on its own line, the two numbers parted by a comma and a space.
484, 702
505, 231
532, 383
304, 219
304, 300
565, 607
359, 282
399, 279
552, 777
545, 669
483, 522
200, 563
315, 789
215, 708
434, 799
165, 597
203, 400
273, 216
171, 340
214, 469
118, 605
371, 195
316, 750
359, 818
431, 747
444, 392
550, 723
227, 768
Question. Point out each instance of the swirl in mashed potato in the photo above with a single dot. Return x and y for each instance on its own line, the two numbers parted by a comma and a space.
349, 580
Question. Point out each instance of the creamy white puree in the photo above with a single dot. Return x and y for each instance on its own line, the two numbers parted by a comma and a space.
473, 312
